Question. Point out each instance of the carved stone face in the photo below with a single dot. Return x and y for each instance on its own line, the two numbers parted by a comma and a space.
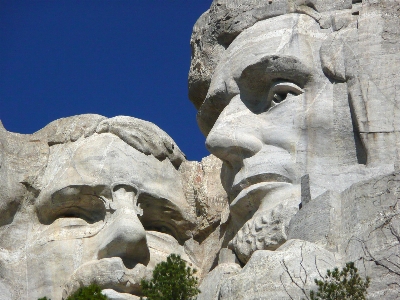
106, 214
280, 118
298, 98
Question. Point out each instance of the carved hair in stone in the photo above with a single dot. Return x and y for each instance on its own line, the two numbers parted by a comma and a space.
89, 200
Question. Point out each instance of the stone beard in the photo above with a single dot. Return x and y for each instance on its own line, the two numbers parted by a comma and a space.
296, 100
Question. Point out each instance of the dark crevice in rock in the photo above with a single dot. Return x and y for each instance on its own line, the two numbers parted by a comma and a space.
361, 151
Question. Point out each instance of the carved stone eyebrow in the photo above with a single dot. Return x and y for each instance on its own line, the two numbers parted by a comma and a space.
80, 201
272, 67
158, 211
254, 82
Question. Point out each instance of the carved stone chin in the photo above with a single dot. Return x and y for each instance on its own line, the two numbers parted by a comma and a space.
266, 230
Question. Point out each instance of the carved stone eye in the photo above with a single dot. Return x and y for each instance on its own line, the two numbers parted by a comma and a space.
279, 91
73, 202
278, 98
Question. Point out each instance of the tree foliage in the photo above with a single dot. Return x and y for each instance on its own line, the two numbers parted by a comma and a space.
91, 292
172, 280
341, 285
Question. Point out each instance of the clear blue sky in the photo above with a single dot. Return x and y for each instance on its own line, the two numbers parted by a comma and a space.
62, 58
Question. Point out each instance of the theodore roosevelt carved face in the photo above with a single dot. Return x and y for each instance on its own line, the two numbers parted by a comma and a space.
108, 207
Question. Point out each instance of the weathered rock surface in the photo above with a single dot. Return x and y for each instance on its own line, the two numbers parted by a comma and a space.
267, 274
363, 227
299, 100
299, 103
94, 200
225, 20
211, 285
204, 191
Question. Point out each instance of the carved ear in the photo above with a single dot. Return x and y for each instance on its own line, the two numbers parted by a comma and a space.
333, 59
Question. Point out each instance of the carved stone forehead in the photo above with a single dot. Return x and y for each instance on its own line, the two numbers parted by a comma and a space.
142, 135
105, 160
226, 19
284, 47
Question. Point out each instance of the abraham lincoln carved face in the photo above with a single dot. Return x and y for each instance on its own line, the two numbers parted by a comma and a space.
287, 97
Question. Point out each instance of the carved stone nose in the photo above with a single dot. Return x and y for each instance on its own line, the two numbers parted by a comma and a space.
125, 235
232, 139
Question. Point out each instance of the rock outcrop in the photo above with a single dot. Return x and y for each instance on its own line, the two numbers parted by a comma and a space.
94, 200
299, 102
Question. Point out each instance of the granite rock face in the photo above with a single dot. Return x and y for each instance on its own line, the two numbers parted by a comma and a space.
94, 200
299, 100
204, 191
225, 20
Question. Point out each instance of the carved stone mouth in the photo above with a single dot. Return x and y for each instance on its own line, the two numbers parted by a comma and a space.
252, 180
109, 274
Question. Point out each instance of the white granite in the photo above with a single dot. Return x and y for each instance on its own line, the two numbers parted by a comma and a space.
299, 99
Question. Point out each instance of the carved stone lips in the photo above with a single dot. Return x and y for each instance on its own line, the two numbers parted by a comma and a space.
108, 273
256, 179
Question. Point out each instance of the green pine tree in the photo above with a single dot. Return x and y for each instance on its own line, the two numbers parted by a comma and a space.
172, 280
91, 292
341, 285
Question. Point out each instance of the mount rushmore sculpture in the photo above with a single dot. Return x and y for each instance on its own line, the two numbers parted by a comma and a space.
298, 101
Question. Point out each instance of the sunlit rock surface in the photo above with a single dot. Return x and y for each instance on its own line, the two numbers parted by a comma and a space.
299, 104
300, 101
94, 200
